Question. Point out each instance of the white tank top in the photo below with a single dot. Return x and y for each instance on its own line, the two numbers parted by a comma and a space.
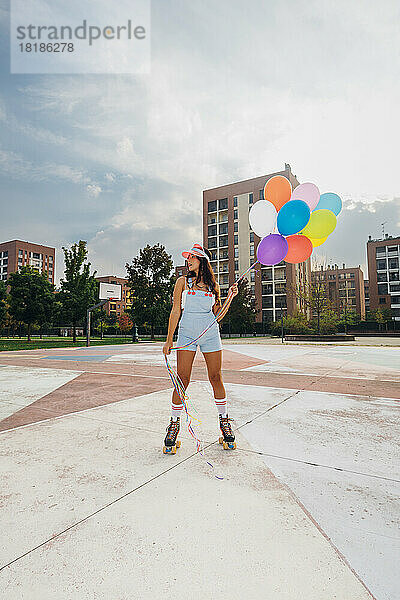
185, 292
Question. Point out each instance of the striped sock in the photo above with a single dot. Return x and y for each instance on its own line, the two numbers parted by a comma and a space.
176, 410
221, 405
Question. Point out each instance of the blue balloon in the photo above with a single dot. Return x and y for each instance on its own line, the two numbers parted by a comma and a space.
330, 201
293, 217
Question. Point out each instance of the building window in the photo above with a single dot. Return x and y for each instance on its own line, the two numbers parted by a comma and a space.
380, 250
261, 194
235, 201
280, 301
267, 288
235, 239
223, 204
252, 275
212, 230
393, 263
266, 274
392, 249
212, 206
252, 249
236, 265
236, 252
394, 276
20, 252
223, 240
212, 243
267, 302
235, 227
235, 213
251, 198
223, 229
381, 276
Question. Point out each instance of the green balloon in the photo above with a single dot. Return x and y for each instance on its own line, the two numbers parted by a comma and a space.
322, 222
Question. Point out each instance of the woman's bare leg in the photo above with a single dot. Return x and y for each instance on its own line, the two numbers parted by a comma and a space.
214, 365
184, 369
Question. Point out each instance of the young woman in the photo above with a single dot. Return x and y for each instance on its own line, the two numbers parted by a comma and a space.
198, 294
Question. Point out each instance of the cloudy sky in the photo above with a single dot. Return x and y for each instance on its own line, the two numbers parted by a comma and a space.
237, 88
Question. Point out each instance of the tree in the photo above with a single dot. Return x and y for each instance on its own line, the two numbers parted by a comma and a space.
79, 288
31, 297
294, 324
314, 296
349, 318
383, 316
3, 305
242, 311
125, 322
151, 281
329, 321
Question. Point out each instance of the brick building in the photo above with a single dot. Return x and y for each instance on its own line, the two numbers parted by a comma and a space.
16, 254
345, 288
181, 270
226, 233
383, 273
116, 308
366, 294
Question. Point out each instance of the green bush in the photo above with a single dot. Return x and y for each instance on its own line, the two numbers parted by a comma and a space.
293, 324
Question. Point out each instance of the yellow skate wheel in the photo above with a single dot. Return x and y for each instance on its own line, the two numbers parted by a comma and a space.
221, 439
173, 450
178, 443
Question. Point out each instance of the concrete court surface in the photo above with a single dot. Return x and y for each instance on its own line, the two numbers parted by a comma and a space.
307, 507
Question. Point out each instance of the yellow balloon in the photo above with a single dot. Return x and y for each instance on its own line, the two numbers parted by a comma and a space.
322, 222
318, 242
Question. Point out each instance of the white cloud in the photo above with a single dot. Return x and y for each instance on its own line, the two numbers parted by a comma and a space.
14, 166
93, 189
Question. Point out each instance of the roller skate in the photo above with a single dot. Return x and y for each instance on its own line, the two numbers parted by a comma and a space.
228, 439
170, 442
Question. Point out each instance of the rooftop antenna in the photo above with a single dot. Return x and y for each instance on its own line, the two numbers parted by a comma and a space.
383, 229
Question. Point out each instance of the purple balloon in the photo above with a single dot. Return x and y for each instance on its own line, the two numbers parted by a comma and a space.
308, 192
272, 249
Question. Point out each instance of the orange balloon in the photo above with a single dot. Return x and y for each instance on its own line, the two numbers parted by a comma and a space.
300, 248
278, 190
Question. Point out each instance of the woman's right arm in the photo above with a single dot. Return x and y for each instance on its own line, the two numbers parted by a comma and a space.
174, 315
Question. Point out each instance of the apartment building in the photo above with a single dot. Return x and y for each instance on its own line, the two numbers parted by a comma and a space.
17, 253
116, 308
181, 270
227, 234
345, 288
383, 273
366, 294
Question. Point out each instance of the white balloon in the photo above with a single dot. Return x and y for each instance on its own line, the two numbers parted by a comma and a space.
262, 218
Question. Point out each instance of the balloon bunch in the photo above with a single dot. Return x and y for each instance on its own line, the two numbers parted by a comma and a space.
303, 218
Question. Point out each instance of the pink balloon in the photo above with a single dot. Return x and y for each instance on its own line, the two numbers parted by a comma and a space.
308, 192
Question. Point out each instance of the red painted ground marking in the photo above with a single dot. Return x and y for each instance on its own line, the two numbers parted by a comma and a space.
85, 391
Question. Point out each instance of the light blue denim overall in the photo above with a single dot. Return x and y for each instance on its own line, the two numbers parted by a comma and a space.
197, 315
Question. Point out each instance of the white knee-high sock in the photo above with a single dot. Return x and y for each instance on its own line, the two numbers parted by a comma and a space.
176, 410
221, 404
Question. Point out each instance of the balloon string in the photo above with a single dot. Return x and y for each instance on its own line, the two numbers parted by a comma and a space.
177, 382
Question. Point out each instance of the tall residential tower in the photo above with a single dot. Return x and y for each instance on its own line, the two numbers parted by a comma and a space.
226, 232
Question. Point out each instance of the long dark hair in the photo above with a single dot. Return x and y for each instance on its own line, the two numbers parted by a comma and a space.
206, 274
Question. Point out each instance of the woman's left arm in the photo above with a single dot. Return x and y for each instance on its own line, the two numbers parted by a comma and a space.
234, 289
